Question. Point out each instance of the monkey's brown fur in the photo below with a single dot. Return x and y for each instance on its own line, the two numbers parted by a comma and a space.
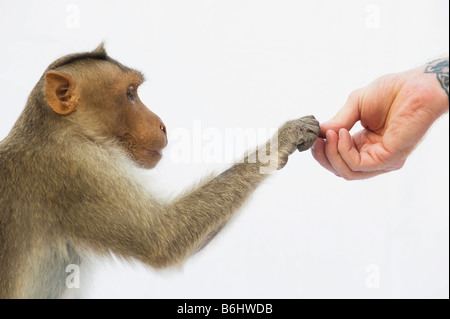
68, 182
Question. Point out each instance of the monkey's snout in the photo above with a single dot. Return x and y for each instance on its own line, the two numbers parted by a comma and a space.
163, 128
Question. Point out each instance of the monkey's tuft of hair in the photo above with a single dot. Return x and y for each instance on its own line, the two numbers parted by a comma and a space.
98, 53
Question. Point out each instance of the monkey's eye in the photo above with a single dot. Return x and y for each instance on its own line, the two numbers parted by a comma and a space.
131, 93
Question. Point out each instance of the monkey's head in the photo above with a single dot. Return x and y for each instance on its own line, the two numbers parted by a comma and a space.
99, 95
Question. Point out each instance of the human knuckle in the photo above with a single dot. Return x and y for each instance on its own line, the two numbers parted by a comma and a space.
352, 166
398, 165
354, 95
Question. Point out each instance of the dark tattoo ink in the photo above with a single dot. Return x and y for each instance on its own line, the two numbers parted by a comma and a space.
440, 68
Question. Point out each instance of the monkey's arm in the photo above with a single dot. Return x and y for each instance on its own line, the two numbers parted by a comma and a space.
217, 200
162, 235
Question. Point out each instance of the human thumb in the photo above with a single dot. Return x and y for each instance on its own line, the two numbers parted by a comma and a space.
347, 116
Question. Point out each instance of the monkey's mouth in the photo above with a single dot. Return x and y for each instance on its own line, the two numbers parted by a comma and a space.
154, 153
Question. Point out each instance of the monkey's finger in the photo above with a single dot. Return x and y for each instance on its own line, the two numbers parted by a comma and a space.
313, 128
304, 146
309, 120
308, 117
306, 143
309, 135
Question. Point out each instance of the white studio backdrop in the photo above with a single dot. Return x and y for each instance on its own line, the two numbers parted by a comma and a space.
216, 66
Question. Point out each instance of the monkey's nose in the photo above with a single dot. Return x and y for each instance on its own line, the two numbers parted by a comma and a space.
163, 128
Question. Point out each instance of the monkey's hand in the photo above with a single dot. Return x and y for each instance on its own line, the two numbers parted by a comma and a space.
297, 134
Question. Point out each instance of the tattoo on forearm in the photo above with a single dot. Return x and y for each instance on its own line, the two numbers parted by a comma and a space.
440, 68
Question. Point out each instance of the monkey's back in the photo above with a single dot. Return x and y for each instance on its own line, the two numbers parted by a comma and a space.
12, 236
31, 256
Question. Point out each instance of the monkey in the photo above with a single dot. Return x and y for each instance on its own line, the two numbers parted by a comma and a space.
69, 183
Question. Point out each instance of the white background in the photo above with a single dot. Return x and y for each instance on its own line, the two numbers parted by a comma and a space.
255, 64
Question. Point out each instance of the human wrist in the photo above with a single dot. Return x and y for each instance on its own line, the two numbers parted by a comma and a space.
429, 85
439, 69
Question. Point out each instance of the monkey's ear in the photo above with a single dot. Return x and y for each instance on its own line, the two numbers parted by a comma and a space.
60, 92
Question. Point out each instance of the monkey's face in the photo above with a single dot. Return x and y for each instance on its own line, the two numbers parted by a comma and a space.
107, 105
139, 130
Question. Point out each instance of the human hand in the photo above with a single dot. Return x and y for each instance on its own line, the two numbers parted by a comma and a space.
395, 110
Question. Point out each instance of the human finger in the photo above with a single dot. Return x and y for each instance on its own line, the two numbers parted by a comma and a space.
318, 152
338, 163
346, 117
